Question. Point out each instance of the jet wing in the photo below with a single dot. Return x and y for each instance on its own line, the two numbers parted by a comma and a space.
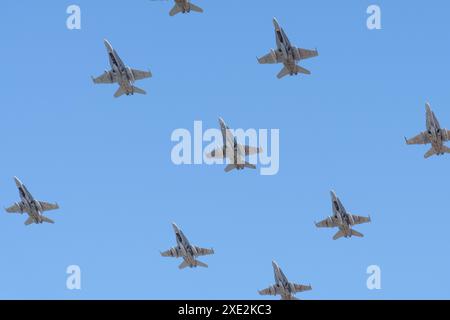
421, 138
360, 219
327, 223
139, 75
301, 288
48, 206
306, 54
173, 252
107, 77
272, 57
216, 154
270, 291
203, 251
252, 150
14, 209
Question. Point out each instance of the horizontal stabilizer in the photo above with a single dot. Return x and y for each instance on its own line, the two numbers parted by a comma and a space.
138, 90
200, 264
249, 165
233, 166
175, 10
29, 221
45, 219
119, 92
195, 8
197, 263
284, 72
430, 153
338, 235
230, 167
357, 234
299, 69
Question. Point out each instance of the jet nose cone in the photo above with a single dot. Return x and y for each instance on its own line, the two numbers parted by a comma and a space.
274, 264
275, 23
175, 227
427, 106
333, 194
107, 45
17, 181
221, 122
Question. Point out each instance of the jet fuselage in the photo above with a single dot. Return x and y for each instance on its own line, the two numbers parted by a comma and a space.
232, 149
435, 133
188, 251
28, 204
184, 5
286, 288
341, 216
289, 53
123, 73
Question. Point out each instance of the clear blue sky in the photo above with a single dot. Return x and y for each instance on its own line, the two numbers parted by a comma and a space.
107, 161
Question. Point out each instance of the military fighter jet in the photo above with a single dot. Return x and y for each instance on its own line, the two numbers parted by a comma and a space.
32, 207
184, 6
342, 220
186, 251
282, 286
434, 135
287, 54
233, 151
121, 74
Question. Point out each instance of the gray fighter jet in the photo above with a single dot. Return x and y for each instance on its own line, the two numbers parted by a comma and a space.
186, 251
184, 6
282, 286
342, 220
434, 135
233, 151
121, 74
287, 54
32, 207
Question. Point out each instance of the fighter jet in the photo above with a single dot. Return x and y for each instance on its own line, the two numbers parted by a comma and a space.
287, 54
233, 151
185, 250
121, 74
434, 135
184, 6
342, 220
282, 286
32, 207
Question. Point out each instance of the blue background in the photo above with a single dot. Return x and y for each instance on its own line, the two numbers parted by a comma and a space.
107, 161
